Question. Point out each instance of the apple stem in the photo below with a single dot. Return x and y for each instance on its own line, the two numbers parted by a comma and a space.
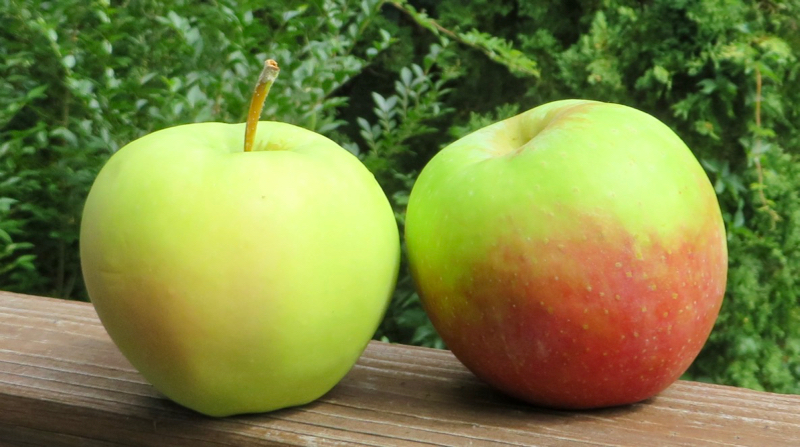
265, 80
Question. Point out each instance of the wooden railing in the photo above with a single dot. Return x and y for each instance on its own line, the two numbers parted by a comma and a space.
64, 383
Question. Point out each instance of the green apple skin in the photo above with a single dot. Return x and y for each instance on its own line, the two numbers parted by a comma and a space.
573, 256
239, 282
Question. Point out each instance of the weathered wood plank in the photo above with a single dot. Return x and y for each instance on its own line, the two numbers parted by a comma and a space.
63, 383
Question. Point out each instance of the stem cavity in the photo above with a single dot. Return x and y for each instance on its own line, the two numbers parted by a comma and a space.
265, 80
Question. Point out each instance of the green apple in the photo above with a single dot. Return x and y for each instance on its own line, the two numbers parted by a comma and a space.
239, 281
573, 256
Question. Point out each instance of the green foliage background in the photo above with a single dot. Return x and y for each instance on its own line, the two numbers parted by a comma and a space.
395, 80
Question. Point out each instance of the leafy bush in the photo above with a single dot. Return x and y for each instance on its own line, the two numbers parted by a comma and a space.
394, 81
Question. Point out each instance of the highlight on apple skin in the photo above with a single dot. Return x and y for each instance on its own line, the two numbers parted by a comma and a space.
573, 256
239, 281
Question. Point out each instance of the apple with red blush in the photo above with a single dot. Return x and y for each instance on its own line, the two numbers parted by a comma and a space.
573, 256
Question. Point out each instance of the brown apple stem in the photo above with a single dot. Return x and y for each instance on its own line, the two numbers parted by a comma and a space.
265, 80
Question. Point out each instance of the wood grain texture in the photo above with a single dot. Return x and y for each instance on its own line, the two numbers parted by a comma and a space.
63, 383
